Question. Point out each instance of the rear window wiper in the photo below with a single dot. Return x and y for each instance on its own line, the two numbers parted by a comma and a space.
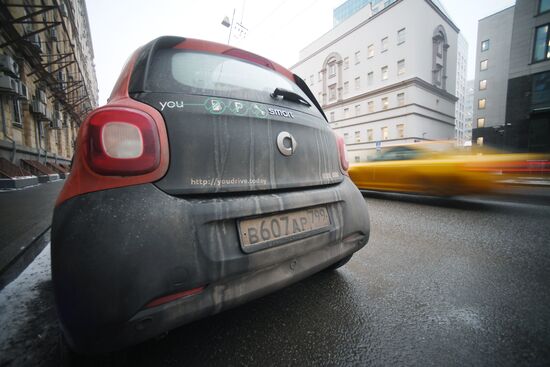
289, 96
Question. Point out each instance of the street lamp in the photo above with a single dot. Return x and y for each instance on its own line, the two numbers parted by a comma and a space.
226, 23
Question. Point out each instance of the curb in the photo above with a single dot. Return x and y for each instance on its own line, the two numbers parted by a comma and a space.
24, 258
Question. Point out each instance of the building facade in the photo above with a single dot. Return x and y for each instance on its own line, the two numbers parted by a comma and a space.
386, 77
513, 109
491, 75
461, 128
47, 78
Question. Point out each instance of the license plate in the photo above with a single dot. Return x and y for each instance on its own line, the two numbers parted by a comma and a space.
257, 232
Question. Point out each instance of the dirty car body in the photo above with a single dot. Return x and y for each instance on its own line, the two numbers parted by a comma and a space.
209, 179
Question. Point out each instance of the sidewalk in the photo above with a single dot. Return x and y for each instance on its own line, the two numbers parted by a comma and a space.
25, 215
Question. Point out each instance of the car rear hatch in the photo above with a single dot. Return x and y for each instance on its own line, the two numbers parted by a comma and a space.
226, 131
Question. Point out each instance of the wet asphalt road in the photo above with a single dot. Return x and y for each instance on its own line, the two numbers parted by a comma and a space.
439, 284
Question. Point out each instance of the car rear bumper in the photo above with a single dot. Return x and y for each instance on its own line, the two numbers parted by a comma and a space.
115, 251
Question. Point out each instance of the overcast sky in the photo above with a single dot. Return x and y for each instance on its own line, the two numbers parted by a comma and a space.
277, 29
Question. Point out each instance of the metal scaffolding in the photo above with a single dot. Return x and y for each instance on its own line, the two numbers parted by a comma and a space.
49, 62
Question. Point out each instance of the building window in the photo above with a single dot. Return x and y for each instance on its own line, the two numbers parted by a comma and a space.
17, 120
544, 6
332, 117
541, 50
346, 62
401, 36
481, 103
384, 72
346, 113
481, 122
357, 137
401, 99
385, 103
540, 96
311, 79
483, 84
357, 109
370, 136
480, 141
400, 131
346, 138
370, 51
357, 83
483, 65
320, 97
357, 159
384, 44
370, 78
439, 57
41, 129
332, 69
346, 87
320, 76
357, 57
370, 106
332, 92
401, 67
484, 45
384, 131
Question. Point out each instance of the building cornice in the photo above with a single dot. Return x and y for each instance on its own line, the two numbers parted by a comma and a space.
396, 86
442, 15
393, 117
390, 109
374, 16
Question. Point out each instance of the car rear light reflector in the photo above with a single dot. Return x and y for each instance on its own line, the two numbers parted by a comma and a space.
122, 140
173, 297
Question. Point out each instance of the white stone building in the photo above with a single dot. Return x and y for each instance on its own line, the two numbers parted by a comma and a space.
386, 77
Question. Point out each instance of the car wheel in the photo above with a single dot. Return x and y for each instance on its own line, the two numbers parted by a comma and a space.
339, 263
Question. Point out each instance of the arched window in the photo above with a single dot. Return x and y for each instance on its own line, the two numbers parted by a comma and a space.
439, 57
332, 79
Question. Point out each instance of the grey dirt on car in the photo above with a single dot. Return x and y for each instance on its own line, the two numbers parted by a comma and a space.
210, 178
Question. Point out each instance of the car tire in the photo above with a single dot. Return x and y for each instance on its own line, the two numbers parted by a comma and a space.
339, 263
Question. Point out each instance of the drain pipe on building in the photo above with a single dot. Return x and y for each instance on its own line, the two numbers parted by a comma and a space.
5, 130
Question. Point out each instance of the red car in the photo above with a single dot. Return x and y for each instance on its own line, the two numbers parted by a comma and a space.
209, 179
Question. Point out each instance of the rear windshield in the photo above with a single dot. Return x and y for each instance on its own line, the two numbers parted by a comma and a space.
203, 73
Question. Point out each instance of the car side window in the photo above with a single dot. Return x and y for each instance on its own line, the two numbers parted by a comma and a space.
398, 154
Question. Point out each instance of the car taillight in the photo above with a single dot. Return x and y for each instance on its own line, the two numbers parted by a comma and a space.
123, 142
342, 153
173, 297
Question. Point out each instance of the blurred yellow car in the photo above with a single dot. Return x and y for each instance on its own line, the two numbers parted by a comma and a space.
440, 169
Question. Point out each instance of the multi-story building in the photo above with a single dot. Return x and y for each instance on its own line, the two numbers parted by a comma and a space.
491, 75
460, 92
513, 81
47, 78
386, 77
